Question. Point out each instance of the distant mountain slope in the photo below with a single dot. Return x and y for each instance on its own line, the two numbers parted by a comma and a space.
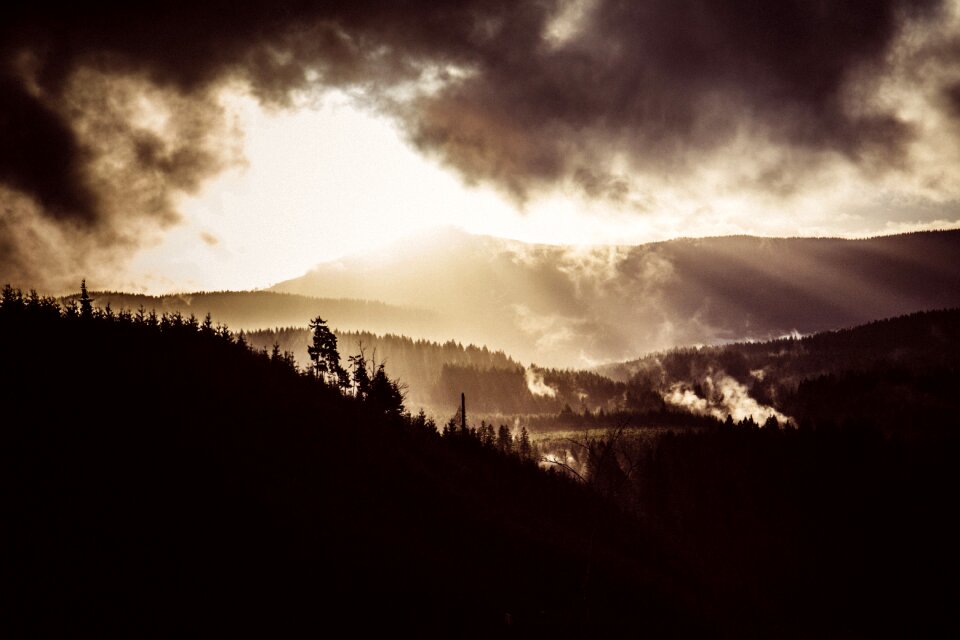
923, 340
901, 373
755, 380
434, 374
745, 380
250, 310
571, 306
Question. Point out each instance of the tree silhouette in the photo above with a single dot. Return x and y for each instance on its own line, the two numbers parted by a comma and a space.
361, 377
524, 448
385, 394
323, 352
86, 302
504, 439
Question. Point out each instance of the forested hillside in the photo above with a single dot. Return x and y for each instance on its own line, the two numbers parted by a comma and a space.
899, 373
878, 372
435, 374
160, 469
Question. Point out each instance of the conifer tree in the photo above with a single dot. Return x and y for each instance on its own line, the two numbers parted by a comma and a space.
86, 302
504, 439
525, 449
323, 352
361, 377
385, 394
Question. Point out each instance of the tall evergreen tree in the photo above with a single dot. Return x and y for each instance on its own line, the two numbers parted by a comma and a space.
525, 449
504, 439
323, 352
385, 394
361, 377
86, 302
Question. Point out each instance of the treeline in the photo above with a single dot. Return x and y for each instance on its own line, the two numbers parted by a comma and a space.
423, 366
857, 369
252, 310
924, 340
435, 373
162, 472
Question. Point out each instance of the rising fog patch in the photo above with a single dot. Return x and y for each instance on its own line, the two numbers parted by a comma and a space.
536, 385
722, 396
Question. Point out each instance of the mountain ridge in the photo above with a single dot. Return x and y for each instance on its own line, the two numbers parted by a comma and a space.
579, 306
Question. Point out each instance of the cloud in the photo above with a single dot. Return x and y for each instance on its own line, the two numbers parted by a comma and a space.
108, 114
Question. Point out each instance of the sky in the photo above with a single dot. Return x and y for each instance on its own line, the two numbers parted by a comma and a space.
171, 146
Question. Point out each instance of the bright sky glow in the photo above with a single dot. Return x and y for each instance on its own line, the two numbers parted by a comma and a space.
326, 179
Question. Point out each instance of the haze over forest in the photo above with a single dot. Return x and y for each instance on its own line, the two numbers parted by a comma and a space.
482, 319
582, 306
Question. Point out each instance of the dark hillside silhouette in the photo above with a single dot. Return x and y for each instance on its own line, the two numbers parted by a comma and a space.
165, 470
168, 472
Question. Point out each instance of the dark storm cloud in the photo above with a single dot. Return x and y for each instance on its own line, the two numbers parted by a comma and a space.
534, 95
667, 81
952, 95
39, 154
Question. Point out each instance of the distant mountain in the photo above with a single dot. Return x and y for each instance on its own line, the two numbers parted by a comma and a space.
899, 374
579, 306
251, 310
918, 341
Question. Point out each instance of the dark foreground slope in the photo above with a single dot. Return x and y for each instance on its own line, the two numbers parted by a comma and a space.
161, 471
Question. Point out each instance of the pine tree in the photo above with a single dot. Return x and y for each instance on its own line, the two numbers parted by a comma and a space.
86, 302
207, 326
385, 394
361, 377
525, 450
323, 352
504, 439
